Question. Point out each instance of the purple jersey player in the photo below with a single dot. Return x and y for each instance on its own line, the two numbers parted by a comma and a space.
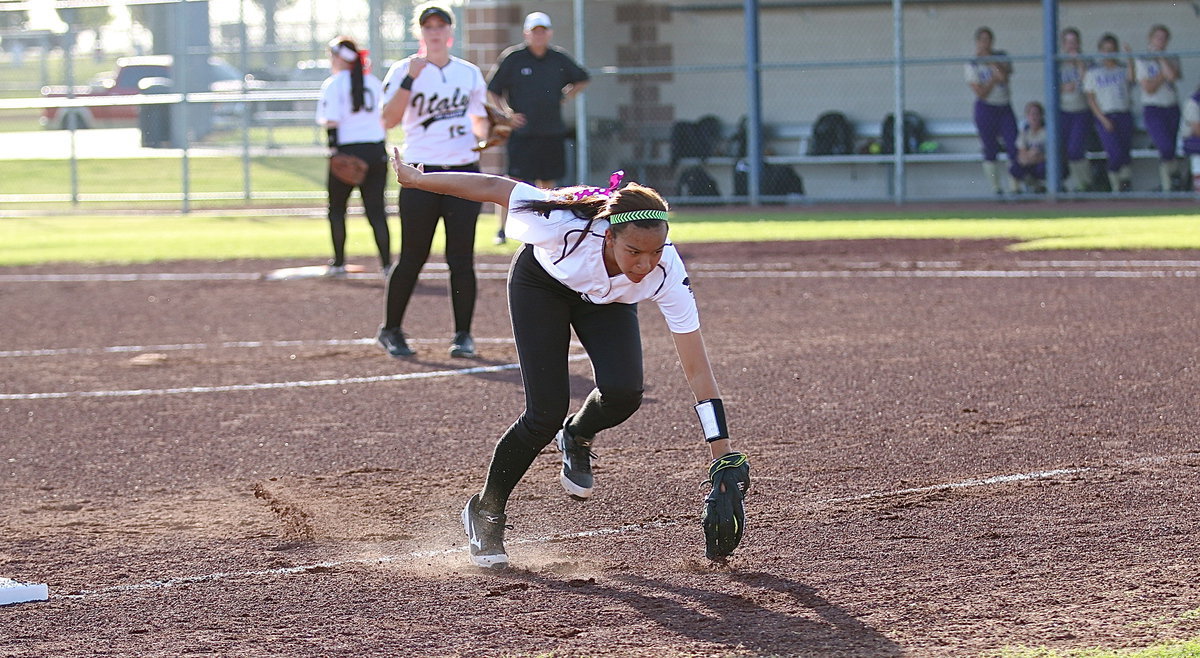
1156, 75
1074, 117
987, 76
1107, 89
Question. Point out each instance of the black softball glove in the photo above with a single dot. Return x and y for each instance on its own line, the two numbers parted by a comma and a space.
723, 516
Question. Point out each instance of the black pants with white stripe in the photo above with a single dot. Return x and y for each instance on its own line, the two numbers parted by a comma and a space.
419, 215
543, 313
372, 190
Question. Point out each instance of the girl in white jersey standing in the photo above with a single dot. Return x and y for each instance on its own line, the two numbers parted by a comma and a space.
988, 75
589, 256
1156, 75
349, 110
438, 100
1107, 88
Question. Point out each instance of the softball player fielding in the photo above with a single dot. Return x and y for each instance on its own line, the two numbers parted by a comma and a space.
589, 256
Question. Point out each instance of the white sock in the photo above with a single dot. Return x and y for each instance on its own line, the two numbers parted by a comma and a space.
993, 174
1081, 174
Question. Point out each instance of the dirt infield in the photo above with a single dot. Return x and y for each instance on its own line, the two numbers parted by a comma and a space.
954, 448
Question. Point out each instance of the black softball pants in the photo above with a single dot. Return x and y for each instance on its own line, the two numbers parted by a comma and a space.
372, 190
543, 313
419, 214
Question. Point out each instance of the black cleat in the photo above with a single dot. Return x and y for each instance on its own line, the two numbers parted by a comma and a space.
463, 346
576, 477
392, 340
485, 534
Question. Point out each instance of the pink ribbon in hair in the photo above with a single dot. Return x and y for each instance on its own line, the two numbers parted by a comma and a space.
614, 180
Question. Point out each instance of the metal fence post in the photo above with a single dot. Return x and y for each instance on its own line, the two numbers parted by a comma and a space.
754, 150
898, 183
1050, 82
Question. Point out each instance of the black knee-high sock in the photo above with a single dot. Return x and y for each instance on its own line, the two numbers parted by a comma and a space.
513, 456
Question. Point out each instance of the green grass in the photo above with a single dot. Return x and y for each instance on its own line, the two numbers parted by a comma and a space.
152, 175
1180, 649
150, 238
1030, 234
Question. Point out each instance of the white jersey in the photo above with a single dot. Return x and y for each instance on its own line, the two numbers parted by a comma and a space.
1165, 96
583, 270
1111, 87
1070, 86
980, 73
362, 127
1191, 113
437, 120
1032, 140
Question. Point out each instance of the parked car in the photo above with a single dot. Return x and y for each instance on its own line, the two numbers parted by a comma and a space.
130, 78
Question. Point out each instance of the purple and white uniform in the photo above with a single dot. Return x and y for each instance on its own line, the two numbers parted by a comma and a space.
1031, 140
1160, 108
994, 118
1191, 115
1074, 117
1109, 85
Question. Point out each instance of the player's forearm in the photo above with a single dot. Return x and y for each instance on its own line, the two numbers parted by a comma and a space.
484, 188
696, 368
393, 111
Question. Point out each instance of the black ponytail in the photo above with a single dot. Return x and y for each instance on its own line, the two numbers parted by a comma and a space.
356, 70
356, 83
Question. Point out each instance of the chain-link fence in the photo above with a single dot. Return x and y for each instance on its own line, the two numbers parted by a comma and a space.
672, 98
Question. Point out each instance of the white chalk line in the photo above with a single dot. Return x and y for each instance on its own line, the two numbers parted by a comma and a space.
998, 479
116, 349
620, 530
866, 269
345, 381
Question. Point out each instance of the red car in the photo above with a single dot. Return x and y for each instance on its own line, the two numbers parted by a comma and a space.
126, 81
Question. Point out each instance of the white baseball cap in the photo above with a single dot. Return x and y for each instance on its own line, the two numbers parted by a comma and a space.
537, 19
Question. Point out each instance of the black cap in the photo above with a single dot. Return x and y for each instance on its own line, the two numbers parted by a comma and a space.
435, 11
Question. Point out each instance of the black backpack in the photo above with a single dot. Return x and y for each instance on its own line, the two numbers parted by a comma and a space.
777, 180
833, 134
695, 139
914, 133
694, 181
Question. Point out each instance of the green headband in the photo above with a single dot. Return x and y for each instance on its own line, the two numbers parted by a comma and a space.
634, 215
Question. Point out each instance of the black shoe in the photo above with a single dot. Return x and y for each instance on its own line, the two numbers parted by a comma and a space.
392, 340
485, 534
500, 238
576, 476
463, 346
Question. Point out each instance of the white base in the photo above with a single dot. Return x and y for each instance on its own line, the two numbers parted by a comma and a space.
12, 591
307, 272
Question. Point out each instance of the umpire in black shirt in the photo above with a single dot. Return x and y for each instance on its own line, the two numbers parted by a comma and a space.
534, 80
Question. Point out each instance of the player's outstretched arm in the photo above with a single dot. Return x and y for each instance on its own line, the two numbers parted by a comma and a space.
693, 357
468, 185
723, 516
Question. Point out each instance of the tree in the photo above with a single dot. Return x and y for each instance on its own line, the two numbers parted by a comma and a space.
86, 18
155, 19
270, 37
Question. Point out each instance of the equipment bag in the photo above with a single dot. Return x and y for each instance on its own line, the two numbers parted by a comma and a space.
833, 134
